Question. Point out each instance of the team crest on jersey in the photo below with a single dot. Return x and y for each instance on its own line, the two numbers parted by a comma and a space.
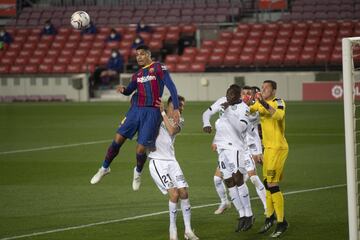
151, 70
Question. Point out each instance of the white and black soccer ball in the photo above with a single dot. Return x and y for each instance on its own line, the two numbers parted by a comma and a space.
80, 20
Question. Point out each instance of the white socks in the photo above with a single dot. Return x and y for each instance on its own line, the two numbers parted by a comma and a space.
235, 199
186, 211
220, 189
245, 199
260, 189
172, 214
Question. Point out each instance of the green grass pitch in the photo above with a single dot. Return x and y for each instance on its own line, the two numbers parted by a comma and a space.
46, 191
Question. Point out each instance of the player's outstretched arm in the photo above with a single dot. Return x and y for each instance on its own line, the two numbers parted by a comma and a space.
172, 128
129, 89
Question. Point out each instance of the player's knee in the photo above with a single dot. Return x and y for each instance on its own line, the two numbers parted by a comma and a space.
174, 196
229, 182
183, 193
274, 189
140, 149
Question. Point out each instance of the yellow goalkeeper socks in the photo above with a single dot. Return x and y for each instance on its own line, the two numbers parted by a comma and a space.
278, 201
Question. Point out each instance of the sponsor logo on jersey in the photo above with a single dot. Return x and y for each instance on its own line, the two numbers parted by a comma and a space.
163, 67
145, 79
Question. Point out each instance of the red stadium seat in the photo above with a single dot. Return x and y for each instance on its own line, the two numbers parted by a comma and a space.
49, 60
261, 59
284, 33
7, 60
182, 67
73, 68
226, 35
208, 44
322, 58
45, 68
39, 53
240, 35
299, 33
220, 50
186, 59
202, 57
197, 67
92, 60
21, 60
291, 59
246, 59
32, 68
224, 43
35, 60
4, 69
234, 50
158, 36
276, 59
171, 59
43, 45
231, 59
26, 53
16, 69
336, 58
306, 58
63, 60
59, 68
85, 45
80, 60
269, 34
53, 53
66, 53
171, 67
237, 43
155, 45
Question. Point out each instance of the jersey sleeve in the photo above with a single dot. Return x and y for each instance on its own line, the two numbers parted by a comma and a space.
213, 109
165, 76
279, 109
131, 87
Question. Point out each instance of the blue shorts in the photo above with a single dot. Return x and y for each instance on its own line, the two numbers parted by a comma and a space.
143, 120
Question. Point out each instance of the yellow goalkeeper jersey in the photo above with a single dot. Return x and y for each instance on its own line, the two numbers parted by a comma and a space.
273, 127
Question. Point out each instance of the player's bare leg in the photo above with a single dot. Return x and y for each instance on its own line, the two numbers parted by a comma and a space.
221, 191
112, 152
140, 162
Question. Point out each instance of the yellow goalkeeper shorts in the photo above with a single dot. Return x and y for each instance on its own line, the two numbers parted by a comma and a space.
273, 164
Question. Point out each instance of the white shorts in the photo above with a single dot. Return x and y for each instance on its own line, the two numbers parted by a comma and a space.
231, 161
167, 174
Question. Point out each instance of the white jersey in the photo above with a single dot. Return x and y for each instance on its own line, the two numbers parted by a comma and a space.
253, 137
165, 144
232, 125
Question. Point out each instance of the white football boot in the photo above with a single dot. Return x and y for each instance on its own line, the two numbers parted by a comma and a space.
100, 173
223, 207
190, 236
136, 180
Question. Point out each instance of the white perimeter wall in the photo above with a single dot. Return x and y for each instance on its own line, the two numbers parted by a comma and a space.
188, 84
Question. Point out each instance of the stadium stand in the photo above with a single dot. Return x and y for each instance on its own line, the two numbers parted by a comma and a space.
308, 36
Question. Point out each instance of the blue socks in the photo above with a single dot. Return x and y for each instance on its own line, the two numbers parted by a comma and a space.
112, 152
140, 161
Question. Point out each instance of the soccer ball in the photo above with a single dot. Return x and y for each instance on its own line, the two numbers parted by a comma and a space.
80, 20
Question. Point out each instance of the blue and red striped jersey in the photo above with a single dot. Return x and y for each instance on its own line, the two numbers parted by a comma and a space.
149, 83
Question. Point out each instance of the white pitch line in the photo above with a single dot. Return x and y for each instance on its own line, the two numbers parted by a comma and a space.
150, 215
109, 140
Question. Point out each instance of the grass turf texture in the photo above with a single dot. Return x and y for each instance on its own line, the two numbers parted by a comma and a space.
49, 189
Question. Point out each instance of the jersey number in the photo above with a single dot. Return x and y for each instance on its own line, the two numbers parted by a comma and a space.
222, 165
166, 178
